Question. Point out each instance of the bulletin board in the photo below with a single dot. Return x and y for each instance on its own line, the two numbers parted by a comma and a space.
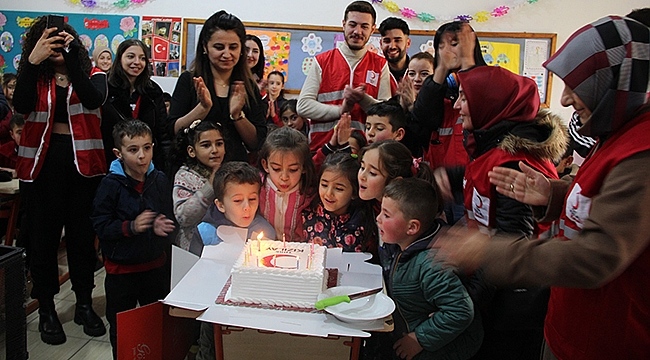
291, 49
162, 35
94, 30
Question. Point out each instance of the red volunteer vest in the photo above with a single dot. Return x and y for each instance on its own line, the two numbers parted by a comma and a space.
336, 74
613, 321
480, 194
84, 127
446, 145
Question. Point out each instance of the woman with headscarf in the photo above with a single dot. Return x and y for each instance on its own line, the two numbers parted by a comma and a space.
599, 263
502, 128
103, 58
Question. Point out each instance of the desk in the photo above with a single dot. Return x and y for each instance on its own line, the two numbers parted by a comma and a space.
10, 196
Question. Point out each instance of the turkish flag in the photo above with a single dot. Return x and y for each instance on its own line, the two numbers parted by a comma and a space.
159, 49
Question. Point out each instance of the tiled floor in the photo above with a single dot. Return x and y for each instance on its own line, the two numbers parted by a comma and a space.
237, 345
79, 346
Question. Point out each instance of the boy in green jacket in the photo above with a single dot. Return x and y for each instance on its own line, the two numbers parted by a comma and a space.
434, 317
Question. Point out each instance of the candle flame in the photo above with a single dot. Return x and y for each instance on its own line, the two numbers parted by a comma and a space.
260, 236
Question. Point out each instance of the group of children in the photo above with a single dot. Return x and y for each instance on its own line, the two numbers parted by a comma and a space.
347, 205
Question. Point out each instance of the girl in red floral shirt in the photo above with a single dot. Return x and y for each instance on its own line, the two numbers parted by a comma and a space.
337, 218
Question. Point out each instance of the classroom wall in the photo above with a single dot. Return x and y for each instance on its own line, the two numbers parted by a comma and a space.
546, 16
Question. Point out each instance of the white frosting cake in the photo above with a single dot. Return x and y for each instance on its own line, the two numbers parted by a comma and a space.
274, 273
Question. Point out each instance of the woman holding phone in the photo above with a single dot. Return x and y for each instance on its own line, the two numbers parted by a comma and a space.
60, 161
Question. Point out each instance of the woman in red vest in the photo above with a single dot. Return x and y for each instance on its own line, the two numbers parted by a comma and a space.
599, 264
503, 125
60, 161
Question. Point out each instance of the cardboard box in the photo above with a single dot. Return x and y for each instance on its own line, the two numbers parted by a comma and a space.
161, 330
150, 332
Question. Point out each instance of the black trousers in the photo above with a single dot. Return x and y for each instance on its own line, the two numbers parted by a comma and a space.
126, 291
60, 197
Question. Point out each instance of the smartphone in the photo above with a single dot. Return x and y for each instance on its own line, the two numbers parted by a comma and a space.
55, 21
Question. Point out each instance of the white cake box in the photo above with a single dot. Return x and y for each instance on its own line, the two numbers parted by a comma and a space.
197, 282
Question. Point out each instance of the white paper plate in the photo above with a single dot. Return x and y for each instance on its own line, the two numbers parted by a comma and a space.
367, 308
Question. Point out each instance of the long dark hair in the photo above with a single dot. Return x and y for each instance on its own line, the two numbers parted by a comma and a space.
222, 20
117, 76
46, 69
454, 27
348, 166
258, 69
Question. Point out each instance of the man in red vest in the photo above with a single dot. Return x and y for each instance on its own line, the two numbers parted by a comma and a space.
348, 78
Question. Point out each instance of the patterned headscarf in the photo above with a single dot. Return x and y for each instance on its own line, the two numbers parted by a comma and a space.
607, 64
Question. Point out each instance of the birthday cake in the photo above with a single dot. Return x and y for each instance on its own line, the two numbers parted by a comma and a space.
278, 274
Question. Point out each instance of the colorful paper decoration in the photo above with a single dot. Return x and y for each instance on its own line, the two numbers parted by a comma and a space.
107, 4
478, 16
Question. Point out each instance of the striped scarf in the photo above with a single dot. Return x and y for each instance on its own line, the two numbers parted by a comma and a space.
607, 64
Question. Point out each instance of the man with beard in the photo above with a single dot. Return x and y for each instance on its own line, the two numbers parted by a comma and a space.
347, 79
395, 42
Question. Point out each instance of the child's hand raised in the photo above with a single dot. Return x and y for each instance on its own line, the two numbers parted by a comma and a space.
407, 347
406, 93
162, 226
342, 130
143, 221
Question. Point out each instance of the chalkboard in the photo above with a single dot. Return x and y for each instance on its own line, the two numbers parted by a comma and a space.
290, 49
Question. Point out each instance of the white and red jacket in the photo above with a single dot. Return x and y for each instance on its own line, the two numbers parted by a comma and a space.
339, 74
446, 144
618, 312
480, 194
84, 127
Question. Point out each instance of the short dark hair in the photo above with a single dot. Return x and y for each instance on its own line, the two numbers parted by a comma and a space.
130, 128
237, 172
16, 120
167, 96
360, 137
290, 104
392, 110
416, 198
362, 7
391, 23
423, 55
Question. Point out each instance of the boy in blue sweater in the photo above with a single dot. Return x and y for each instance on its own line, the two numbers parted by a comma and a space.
237, 192
434, 317
131, 215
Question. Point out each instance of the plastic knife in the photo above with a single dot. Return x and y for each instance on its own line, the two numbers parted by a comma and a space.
330, 301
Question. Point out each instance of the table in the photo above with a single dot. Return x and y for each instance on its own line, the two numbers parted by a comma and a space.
211, 271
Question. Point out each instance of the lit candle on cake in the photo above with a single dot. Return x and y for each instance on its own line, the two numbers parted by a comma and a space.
259, 242
284, 241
